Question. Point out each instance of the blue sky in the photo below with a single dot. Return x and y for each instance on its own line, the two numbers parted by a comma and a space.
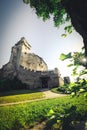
19, 20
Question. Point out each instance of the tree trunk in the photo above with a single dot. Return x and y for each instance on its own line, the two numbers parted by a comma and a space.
77, 9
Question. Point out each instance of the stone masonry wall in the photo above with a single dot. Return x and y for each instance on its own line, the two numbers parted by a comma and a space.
33, 62
32, 79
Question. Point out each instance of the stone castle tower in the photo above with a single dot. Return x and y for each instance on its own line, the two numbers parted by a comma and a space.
29, 68
21, 56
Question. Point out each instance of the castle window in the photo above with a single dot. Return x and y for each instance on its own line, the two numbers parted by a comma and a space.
25, 53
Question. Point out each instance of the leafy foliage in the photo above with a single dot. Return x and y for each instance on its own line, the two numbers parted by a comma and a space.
46, 8
77, 60
74, 88
68, 30
61, 12
83, 72
65, 56
62, 116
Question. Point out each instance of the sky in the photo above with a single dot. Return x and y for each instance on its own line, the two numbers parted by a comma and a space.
19, 20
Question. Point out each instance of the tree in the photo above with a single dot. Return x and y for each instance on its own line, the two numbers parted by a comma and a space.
77, 61
62, 11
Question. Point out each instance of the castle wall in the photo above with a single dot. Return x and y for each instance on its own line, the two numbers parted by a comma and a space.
8, 71
25, 49
30, 68
33, 62
15, 56
33, 79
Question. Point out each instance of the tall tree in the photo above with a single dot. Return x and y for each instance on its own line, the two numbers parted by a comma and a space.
62, 11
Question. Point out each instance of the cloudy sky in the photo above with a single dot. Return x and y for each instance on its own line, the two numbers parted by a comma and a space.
19, 20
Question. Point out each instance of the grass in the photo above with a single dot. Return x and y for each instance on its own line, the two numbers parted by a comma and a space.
17, 92
22, 95
55, 90
23, 115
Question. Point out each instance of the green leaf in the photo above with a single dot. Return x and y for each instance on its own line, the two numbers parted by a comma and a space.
69, 65
62, 57
65, 56
83, 72
50, 113
75, 71
68, 29
64, 35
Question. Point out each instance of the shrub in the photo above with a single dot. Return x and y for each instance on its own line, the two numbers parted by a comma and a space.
82, 90
73, 94
76, 87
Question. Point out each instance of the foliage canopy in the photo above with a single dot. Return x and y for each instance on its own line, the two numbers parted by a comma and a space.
62, 11
48, 8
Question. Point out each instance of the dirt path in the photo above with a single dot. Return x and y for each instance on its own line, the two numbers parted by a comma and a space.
47, 95
50, 94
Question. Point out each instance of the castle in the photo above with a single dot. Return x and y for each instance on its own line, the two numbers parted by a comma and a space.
30, 68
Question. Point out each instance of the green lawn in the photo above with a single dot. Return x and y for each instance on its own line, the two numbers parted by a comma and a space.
22, 95
55, 90
17, 92
16, 117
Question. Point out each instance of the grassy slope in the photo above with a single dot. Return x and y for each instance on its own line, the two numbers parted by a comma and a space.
22, 95
18, 116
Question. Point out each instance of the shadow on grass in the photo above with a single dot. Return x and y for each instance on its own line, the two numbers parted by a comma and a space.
17, 92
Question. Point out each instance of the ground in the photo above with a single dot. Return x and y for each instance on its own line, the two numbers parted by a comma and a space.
42, 125
47, 94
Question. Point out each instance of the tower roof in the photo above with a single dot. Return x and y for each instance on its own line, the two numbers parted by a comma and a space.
23, 41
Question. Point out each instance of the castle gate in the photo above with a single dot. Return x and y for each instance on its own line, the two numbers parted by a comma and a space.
44, 81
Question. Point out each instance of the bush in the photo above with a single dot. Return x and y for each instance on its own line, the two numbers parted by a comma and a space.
64, 89
73, 87
82, 90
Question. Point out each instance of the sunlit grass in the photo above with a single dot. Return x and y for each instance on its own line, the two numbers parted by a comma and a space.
18, 96
16, 117
17, 92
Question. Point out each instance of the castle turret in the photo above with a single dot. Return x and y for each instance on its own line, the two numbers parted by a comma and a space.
22, 47
21, 56
25, 46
